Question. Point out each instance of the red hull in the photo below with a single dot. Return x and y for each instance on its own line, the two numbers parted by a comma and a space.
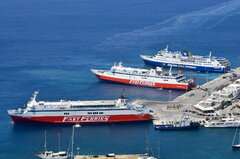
148, 84
81, 119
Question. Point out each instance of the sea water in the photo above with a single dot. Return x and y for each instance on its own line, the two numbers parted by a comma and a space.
51, 45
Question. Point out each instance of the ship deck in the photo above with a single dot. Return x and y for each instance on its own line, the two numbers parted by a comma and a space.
79, 103
106, 157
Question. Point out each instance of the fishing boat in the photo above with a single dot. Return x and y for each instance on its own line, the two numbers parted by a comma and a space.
223, 123
50, 154
186, 60
73, 112
184, 124
236, 146
144, 77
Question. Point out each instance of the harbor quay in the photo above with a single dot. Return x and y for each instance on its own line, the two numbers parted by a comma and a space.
113, 156
216, 98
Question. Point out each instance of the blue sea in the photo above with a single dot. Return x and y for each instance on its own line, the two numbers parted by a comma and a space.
51, 45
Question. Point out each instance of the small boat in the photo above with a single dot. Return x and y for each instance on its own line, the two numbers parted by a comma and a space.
53, 155
184, 124
50, 154
236, 146
224, 123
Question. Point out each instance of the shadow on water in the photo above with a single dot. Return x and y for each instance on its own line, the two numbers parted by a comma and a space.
46, 126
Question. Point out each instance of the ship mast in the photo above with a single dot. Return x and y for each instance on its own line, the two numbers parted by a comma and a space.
235, 137
210, 54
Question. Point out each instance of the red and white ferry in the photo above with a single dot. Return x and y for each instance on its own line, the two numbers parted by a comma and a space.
101, 111
144, 77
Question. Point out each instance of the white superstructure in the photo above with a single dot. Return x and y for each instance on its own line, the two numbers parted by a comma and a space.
79, 111
186, 60
224, 123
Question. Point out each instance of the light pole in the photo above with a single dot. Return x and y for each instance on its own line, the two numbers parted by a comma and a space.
75, 126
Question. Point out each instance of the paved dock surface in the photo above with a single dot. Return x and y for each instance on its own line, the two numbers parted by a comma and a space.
165, 111
105, 157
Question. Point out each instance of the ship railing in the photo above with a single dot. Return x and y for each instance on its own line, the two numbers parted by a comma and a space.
13, 111
18, 111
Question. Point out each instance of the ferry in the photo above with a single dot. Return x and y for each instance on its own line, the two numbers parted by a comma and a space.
72, 112
144, 77
184, 124
186, 60
224, 123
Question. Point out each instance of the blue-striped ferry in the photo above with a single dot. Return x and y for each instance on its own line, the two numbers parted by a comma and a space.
186, 60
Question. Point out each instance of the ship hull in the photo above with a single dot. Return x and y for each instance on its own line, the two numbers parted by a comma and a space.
223, 126
186, 67
146, 83
80, 119
171, 127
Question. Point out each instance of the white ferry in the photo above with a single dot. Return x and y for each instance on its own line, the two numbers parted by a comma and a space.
224, 123
144, 77
102, 111
186, 60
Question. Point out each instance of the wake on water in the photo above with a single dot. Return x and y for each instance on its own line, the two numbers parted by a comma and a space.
187, 24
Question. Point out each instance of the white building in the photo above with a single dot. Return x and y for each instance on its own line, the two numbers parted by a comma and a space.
219, 99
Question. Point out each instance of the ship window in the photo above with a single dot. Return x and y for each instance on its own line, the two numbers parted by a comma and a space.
66, 113
89, 112
100, 112
95, 112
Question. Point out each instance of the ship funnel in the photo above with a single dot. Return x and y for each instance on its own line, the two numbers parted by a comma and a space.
121, 101
120, 64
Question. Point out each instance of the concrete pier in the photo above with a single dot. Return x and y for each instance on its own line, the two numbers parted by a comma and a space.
110, 157
173, 110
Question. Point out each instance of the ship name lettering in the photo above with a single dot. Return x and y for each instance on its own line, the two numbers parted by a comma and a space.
85, 118
145, 83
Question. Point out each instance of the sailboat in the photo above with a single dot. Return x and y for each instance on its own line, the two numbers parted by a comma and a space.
236, 146
50, 154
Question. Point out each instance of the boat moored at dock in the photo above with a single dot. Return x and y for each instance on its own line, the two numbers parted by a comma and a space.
50, 154
224, 123
71, 112
186, 60
184, 124
144, 77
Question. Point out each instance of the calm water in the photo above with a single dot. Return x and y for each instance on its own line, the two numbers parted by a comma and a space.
50, 45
